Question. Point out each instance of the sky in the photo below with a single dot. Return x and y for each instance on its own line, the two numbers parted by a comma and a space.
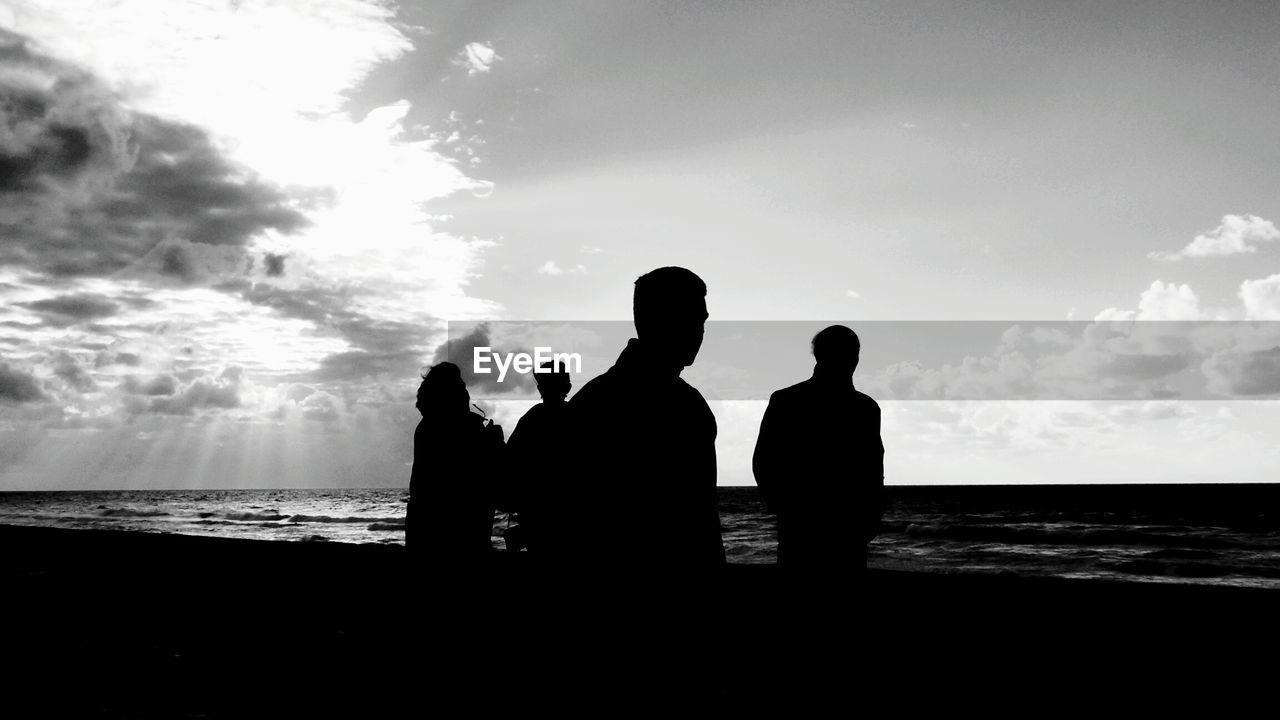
232, 233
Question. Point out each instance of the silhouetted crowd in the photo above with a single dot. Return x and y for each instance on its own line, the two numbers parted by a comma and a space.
624, 474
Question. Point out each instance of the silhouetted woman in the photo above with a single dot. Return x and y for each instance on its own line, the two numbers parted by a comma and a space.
456, 457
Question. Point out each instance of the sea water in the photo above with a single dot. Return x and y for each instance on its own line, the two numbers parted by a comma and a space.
1214, 534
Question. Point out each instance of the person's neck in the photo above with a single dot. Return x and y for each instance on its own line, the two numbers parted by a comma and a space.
651, 363
832, 378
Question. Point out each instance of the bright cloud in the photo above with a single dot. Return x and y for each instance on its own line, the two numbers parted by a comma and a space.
1261, 298
196, 224
477, 57
1160, 301
1236, 234
550, 267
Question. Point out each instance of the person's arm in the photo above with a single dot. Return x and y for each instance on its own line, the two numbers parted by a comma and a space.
514, 461
874, 507
766, 460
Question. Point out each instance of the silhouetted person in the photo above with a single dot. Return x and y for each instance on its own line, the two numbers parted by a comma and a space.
642, 489
456, 456
819, 461
536, 454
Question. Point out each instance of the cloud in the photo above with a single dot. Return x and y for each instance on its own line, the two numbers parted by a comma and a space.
71, 309
18, 386
204, 393
275, 264
461, 352
477, 57
1236, 234
355, 365
61, 130
1154, 410
178, 195
160, 385
551, 268
1244, 372
1160, 301
88, 188
1261, 298
853, 294
1081, 361
380, 346
69, 369
108, 358
321, 407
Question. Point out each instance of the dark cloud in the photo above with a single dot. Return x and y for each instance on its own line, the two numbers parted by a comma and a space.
361, 364
275, 264
1136, 367
89, 188
117, 358
331, 310
1247, 373
60, 129
67, 367
161, 385
71, 309
17, 386
204, 393
461, 352
384, 347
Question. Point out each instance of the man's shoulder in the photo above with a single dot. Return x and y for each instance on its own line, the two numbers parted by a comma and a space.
597, 390
865, 401
808, 392
690, 393
533, 415
801, 390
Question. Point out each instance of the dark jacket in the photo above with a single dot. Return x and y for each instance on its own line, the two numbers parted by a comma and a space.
456, 460
641, 490
819, 463
537, 456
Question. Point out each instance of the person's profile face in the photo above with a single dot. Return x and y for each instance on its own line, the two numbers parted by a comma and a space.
450, 400
678, 334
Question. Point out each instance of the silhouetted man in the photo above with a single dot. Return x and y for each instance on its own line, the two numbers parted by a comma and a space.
536, 454
819, 461
643, 492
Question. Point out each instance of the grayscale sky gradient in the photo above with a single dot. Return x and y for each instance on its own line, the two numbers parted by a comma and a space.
231, 232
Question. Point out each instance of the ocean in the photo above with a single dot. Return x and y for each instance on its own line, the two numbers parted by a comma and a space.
1211, 534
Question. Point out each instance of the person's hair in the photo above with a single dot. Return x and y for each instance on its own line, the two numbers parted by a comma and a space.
553, 368
666, 289
437, 381
442, 372
834, 342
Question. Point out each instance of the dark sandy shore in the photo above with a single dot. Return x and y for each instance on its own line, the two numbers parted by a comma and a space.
106, 624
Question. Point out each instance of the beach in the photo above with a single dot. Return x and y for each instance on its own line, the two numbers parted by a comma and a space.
117, 624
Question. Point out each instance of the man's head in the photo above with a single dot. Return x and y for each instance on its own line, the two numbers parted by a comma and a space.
443, 390
670, 309
836, 350
553, 381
